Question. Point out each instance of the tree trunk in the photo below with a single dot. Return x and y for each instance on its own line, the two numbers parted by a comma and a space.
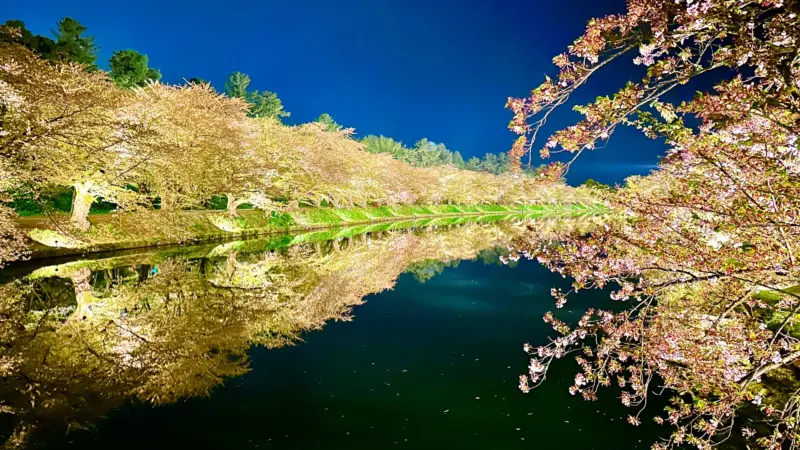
83, 293
164, 203
81, 203
233, 204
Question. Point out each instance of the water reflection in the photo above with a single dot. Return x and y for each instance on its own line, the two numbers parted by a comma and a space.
80, 338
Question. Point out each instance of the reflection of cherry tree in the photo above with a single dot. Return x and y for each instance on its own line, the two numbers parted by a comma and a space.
706, 248
81, 344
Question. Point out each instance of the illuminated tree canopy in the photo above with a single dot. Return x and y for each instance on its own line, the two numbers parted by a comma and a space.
137, 144
704, 251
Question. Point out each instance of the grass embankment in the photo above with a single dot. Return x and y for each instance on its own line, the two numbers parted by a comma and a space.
54, 237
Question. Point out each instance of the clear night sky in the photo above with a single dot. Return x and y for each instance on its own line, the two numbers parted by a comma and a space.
408, 69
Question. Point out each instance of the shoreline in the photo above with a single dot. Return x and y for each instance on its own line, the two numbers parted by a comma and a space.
255, 224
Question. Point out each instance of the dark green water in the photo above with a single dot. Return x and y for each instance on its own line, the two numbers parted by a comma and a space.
430, 364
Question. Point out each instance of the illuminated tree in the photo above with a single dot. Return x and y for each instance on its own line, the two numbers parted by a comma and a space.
383, 144
705, 249
202, 144
70, 44
60, 126
236, 85
12, 241
196, 80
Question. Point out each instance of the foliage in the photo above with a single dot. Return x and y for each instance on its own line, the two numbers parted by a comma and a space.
425, 270
15, 32
263, 104
199, 142
129, 68
178, 147
331, 168
429, 154
61, 127
12, 240
494, 163
590, 183
383, 144
424, 154
236, 85
699, 238
266, 104
72, 46
33, 200
330, 124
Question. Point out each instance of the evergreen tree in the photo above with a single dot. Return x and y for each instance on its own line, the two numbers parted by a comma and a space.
15, 32
458, 160
383, 144
129, 69
262, 103
328, 121
265, 104
473, 163
72, 46
236, 85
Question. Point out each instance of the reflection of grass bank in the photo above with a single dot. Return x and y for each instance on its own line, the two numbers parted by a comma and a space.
269, 242
328, 238
169, 323
151, 228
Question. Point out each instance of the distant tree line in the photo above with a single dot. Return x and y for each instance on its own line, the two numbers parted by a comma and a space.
426, 153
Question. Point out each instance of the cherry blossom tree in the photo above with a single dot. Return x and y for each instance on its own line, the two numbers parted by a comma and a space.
703, 250
12, 241
60, 126
202, 144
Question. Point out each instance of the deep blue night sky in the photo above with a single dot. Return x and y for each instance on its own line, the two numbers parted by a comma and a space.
408, 69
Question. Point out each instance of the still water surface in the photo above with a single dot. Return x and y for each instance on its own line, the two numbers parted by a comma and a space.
432, 362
